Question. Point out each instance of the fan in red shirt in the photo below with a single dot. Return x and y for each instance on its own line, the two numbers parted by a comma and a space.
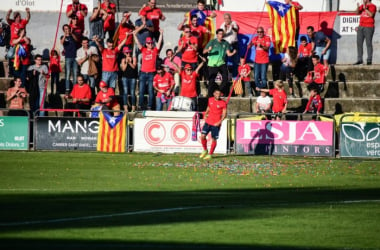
154, 14
262, 44
79, 10
314, 105
244, 72
188, 45
197, 30
319, 73
126, 27
215, 113
107, 99
109, 22
280, 101
366, 29
163, 83
304, 63
148, 66
81, 95
109, 64
189, 81
17, 22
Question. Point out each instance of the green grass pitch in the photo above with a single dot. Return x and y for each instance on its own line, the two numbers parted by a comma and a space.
62, 200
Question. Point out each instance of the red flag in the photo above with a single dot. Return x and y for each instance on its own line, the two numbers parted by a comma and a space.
283, 20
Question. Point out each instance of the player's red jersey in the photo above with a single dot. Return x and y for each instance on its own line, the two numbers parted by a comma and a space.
216, 108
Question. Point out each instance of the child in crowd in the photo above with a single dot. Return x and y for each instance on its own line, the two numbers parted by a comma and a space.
304, 64
280, 101
287, 68
54, 69
263, 103
319, 77
244, 71
314, 104
163, 83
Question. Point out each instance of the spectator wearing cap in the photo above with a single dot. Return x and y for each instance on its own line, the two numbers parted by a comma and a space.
126, 27
77, 9
80, 95
148, 67
129, 75
188, 46
163, 83
151, 12
143, 31
109, 63
106, 98
189, 81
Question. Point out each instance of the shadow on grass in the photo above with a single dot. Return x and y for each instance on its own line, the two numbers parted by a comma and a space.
80, 210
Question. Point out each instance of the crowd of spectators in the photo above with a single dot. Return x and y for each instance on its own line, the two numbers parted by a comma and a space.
128, 54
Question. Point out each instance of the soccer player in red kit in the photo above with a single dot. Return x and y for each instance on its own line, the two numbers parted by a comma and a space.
215, 113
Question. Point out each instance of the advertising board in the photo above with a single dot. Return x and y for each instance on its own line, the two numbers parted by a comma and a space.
171, 135
284, 138
66, 133
360, 139
14, 133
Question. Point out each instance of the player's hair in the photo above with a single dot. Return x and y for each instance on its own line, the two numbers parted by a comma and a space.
316, 57
303, 38
219, 30
279, 83
310, 28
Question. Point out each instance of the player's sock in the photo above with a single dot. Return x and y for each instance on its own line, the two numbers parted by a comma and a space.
213, 146
204, 143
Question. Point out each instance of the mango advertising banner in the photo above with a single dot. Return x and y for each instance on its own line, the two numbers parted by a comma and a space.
307, 138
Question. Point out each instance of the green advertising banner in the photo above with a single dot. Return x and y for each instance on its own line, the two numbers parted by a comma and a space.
360, 139
14, 133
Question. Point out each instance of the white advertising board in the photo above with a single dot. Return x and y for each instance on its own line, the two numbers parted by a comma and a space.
172, 135
348, 24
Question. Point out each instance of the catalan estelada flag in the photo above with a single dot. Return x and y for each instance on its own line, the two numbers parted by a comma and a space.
283, 20
203, 20
112, 132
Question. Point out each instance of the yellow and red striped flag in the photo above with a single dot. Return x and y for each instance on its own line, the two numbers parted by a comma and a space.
283, 20
112, 132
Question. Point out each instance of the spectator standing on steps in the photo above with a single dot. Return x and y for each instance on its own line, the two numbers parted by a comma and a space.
366, 29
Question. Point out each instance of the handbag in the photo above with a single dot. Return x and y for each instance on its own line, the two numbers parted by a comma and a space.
238, 88
309, 77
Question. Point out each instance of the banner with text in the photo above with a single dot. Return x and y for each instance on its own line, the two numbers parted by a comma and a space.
14, 133
66, 133
172, 135
360, 139
285, 138
348, 24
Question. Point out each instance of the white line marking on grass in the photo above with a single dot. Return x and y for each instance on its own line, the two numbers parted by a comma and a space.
94, 217
165, 210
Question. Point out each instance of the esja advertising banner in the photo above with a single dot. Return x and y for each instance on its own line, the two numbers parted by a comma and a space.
14, 133
285, 138
360, 139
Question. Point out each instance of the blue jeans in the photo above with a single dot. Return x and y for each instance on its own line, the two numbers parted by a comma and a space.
70, 66
54, 80
261, 75
129, 87
90, 80
146, 81
110, 78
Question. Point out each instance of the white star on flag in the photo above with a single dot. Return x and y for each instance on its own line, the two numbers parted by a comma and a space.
112, 121
281, 9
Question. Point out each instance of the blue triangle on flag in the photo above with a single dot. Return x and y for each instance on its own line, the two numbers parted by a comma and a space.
112, 120
281, 8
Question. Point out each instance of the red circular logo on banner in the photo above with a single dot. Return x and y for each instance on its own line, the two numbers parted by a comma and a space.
180, 133
154, 132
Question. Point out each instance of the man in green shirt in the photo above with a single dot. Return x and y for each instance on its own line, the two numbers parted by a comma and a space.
217, 50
